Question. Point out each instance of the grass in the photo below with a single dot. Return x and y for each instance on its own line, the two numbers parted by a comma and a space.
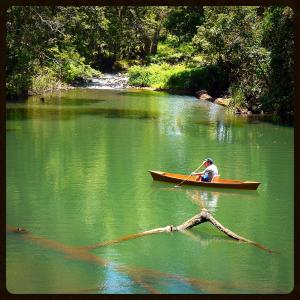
178, 77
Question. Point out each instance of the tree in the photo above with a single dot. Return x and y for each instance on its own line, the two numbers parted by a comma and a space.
254, 46
230, 37
182, 21
30, 33
278, 38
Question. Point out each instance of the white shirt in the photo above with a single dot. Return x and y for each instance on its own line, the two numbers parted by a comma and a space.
211, 171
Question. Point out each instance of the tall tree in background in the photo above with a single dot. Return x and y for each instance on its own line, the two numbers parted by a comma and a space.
278, 38
231, 37
182, 21
252, 45
31, 31
255, 47
133, 32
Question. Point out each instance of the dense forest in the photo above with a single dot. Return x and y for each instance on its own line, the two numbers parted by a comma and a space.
241, 52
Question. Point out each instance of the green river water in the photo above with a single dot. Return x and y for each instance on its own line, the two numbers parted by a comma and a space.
77, 174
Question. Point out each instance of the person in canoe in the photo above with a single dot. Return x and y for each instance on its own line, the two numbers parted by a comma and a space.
210, 171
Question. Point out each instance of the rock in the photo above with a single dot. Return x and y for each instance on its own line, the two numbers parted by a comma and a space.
201, 92
206, 97
223, 101
203, 95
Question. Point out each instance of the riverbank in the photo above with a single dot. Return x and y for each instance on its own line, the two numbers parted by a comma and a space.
121, 80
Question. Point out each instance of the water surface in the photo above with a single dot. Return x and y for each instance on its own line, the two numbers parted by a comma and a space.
76, 174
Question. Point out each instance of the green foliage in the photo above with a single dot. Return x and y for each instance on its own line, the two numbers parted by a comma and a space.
139, 76
70, 66
133, 32
179, 77
71, 39
124, 64
255, 49
17, 84
248, 48
44, 81
237, 95
278, 38
210, 78
167, 52
156, 76
182, 21
121, 65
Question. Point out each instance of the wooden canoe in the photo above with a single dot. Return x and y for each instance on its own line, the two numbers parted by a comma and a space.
217, 183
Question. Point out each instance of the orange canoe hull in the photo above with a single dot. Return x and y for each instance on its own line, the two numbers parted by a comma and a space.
220, 183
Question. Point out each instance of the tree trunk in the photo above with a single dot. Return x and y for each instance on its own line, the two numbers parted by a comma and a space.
154, 42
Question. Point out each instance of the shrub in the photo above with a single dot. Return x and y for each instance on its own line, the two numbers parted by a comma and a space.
179, 77
70, 66
17, 84
210, 78
172, 52
156, 76
237, 95
45, 81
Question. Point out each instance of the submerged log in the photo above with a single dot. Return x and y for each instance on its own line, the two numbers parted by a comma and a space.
139, 275
202, 217
136, 274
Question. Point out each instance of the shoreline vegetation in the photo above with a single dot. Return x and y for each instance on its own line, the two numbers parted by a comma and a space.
240, 57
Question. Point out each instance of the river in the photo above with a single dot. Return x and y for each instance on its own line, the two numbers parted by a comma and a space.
77, 174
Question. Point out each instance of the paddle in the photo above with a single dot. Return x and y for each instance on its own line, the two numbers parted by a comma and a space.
177, 185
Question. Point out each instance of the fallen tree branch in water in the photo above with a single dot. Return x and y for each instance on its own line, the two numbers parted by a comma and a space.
138, 275
202, 217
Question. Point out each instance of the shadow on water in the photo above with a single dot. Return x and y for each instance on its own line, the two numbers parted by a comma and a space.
244, 194
232, 120
12, 129
73, 101
241, 120
139, 92
24, 113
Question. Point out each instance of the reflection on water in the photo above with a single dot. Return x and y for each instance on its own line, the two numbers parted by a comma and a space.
62, 100
173, 128
224, 133
204, 199
53, 113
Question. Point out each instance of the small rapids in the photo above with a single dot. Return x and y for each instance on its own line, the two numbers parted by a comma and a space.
109, 81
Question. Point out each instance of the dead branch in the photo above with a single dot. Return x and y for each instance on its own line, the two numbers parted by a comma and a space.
137, 274
202, 217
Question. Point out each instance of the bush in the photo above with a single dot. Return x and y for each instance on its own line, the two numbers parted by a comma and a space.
172, 52
210, 78
70, 66
45, 81
237, 95
156, 76
17, 85
124, 64
179, 77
